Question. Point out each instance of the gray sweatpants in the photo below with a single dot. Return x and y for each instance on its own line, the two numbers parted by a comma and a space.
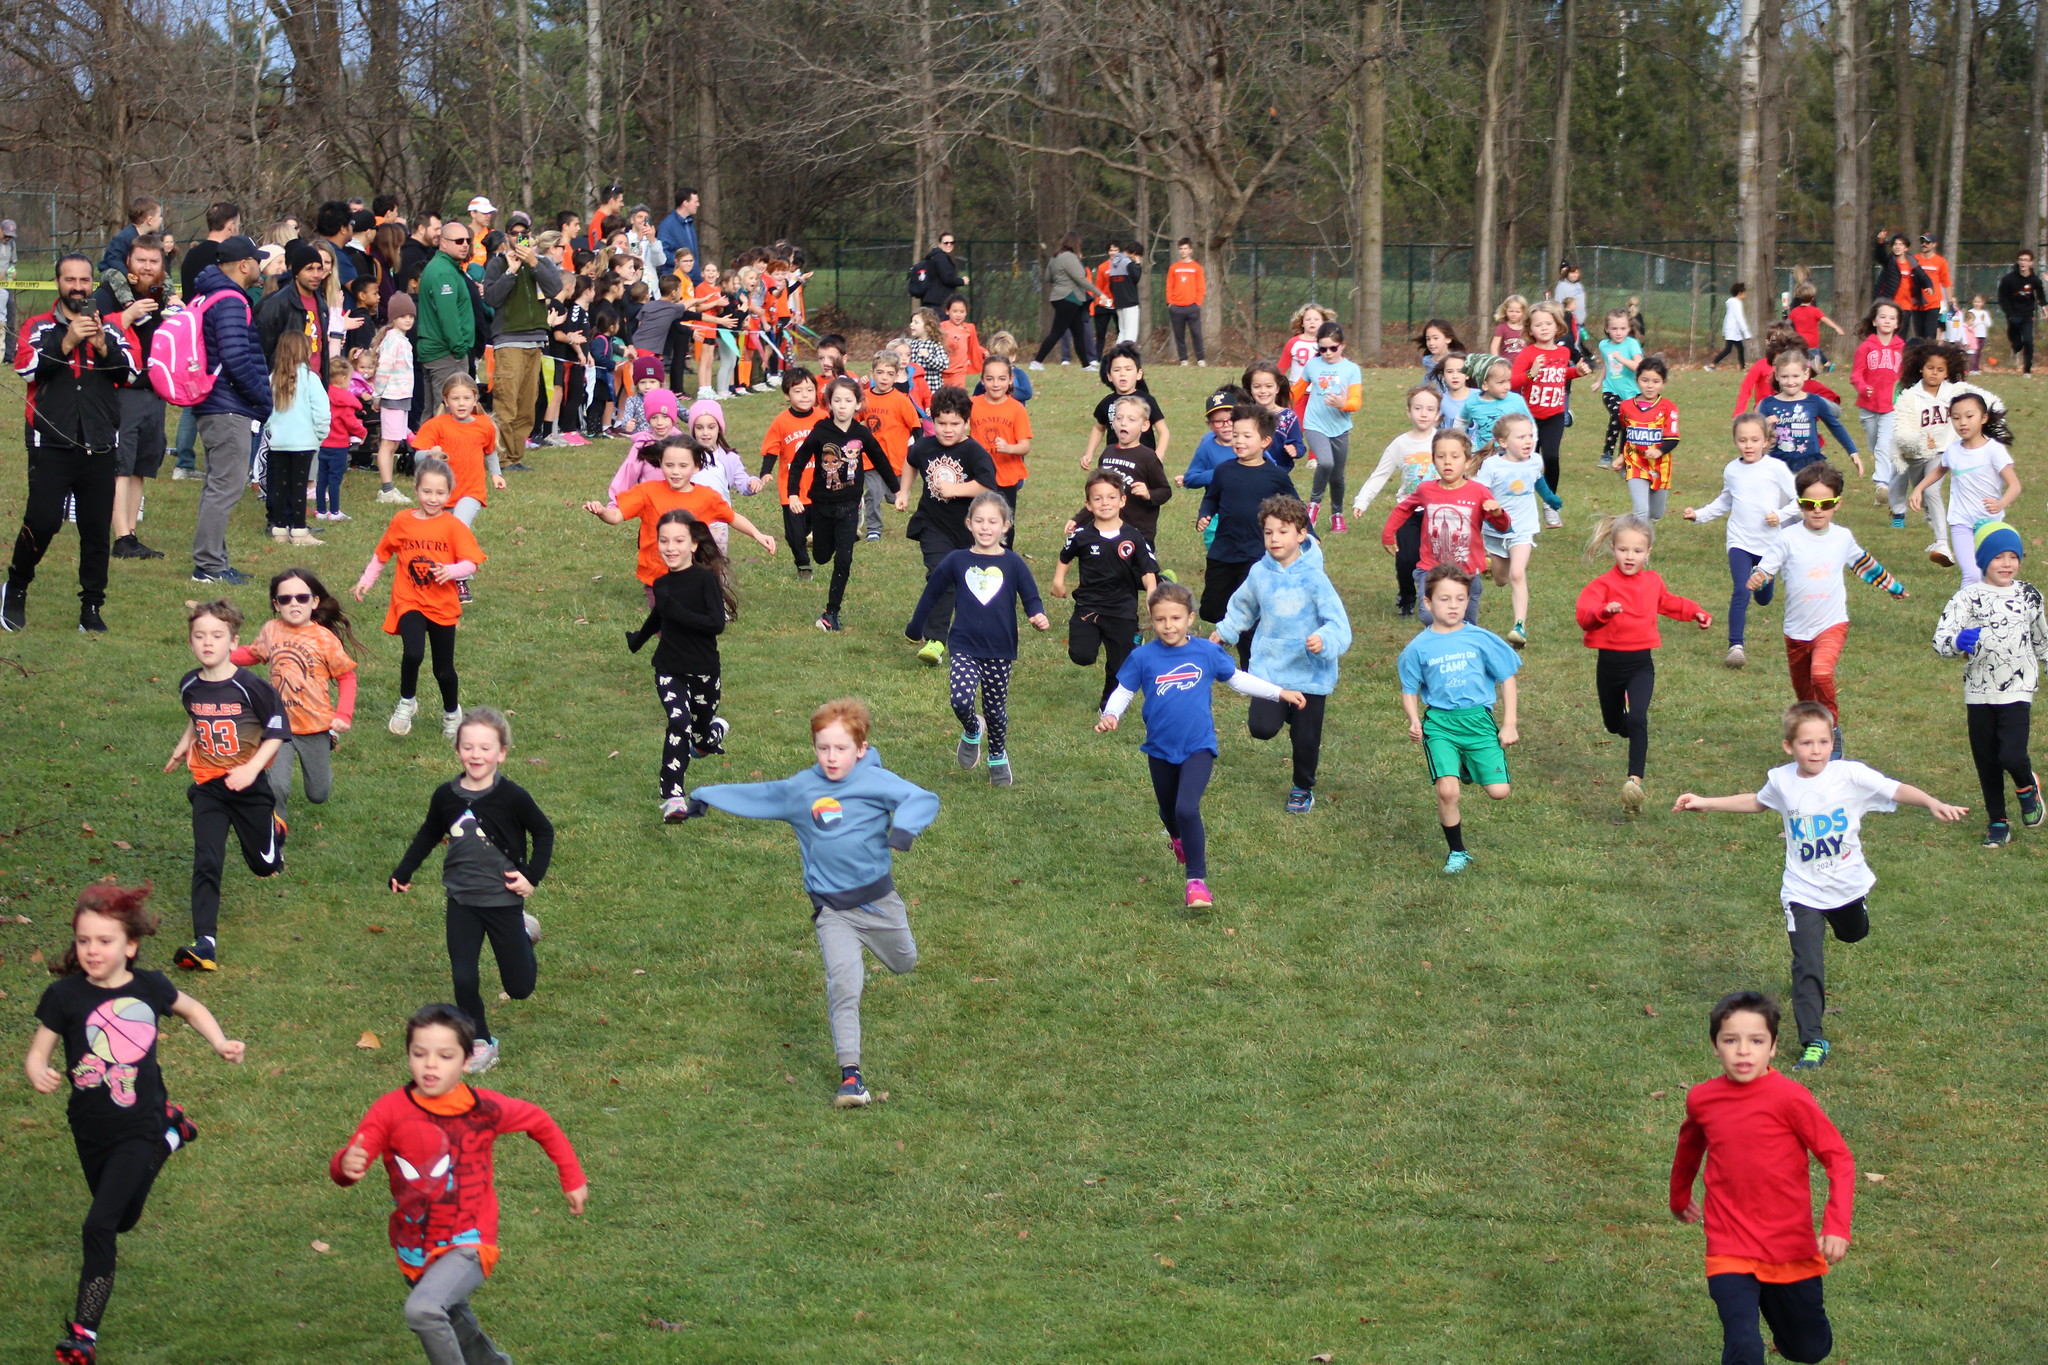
1807, 927
1906, 477
228, 439
883, 928
314, 754
438, 1312
441, 371
871, 501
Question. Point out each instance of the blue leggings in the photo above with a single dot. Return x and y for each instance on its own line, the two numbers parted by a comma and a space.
1741, 564
1178, 787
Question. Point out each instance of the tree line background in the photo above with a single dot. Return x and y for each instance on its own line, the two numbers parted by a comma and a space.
1524, 125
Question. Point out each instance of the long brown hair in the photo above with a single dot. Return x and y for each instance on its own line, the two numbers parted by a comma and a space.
126, 905
707, 555
327, 610
294, 353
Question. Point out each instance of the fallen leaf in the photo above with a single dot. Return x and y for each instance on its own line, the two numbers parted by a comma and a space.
23, 919
1873, 1177
1229, 931
369, 1040
1367, 1321
583, 620
1166, 1261
36, 957
1023, 1234
1650, 1010
86, 831
1323, 1356
789, 1078
1658, 1094
1552, 1260
374, 928
639, 971
321, 1246
664, 1325
123, 845
882, 1095
613, 754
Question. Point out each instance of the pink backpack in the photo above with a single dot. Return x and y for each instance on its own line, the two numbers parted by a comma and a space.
178, 370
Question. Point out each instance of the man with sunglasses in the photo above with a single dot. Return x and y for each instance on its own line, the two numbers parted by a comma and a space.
447, 325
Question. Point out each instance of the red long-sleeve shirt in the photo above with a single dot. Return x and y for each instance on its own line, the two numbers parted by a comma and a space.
1875, 373
1643, 599
1754, 1139
1451, 518
1540, 375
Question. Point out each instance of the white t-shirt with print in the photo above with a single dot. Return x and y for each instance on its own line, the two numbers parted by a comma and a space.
1810, 570
1823, 815
1975, 478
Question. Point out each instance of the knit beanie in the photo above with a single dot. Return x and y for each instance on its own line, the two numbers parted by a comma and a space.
705, 406
400, 306
661, 401
1480, 364
299, 255
1995, 538
646, 367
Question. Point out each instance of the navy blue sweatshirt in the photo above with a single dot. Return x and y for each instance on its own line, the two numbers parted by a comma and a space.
1235, 491
986, 590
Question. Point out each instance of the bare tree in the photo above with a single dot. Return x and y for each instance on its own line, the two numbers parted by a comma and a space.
1368, 254
1905, 115
1555, 240
593, 92
2035, 207
1486, 191
1959, 122
1852, 209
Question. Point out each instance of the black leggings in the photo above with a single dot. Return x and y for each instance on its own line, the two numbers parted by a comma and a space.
1795, 1311
1407, 558
415, 633
796, 533
1178, 788
120, 1176
1610, 445
286, 486
1265, 718
835, 530
2019, 332
1114, 637
505, 926
1549, 443
1624, 680
1998, 741
689, 703
1730, 344
1070, 320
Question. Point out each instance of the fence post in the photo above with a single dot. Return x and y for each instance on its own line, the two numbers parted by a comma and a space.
1255, 296
1411, 287
838, 256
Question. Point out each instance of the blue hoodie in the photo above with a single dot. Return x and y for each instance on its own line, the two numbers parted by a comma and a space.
1286, 605
242, 380
845, 828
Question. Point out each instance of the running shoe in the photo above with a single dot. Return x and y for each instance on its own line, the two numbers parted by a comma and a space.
999, 774
176, 1122
803, 574
14, 606
829, 623
1632, 797
1737, 657
1551, 518
1813, 1056
1314, 510
675, 810
462, 591
299, 535
532, 923
401, 716
89, 619
1457, 863
1300, 801
233, 577
1607, 462
1898, 521
197, 956
575, 438
1518, 636
1198, 894
1337, 526
852, 1093
78, 1347
391, 495
2030, 805
518, 466
483, 1055
1180, 853
932, 655
1998, 835
720, 728
969, 750
451, 721
1938, 552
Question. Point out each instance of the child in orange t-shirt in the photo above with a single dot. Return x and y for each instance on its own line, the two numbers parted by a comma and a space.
435, 554
648, 501
304, 646
1003, 427
963, 344
887, 411
779, 445
468, 441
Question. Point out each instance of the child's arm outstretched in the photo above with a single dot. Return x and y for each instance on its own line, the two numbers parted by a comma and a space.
1252, 686
747, 528
1865, 567
186, 738
1744, 803
610, 516
371, 572
1910, 795
523, 1116
206, 1026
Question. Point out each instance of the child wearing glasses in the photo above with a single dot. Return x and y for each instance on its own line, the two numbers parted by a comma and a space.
1810, 558
307, 646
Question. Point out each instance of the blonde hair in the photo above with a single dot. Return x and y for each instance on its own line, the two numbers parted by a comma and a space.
1500, 314
1294, 323
1554, 312
1005, 345
491, 719
1612, 525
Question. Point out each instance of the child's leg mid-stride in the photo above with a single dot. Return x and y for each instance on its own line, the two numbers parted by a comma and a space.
1798, 1319
1112, 637
1305, 726
415, 634
1808, 928
439, 1314
991, 678
505, 926
1998, 743
882, 927
252, 814
1178, 788
314, 753
1624, 680
1462, 745
1813, 665
1741, 564
120, 1176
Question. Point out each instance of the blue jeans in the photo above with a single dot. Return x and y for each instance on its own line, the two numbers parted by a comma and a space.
188, 434
327, 485
1741, 564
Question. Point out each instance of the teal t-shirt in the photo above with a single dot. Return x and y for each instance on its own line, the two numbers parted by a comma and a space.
1449, 669
1619, 379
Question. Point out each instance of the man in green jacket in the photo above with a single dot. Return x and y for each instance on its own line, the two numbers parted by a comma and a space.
447, 325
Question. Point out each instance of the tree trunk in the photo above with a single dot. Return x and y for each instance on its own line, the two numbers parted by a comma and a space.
522, 27
1368, 252
1055, 80
593, 93
709, 193
2035, 210
1556, 241
1904, 116
1749, 158
1851, 213
1514, 169
1486, 192
1774, 156
1959, 125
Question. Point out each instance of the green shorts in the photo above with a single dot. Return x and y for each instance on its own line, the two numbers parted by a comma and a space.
1464, 743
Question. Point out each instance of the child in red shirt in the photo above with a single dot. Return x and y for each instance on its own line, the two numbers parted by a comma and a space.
779, 444
343, 431
435, 1135
1754, 1127
1806, 319
1618, 611
1542, 374
1453, 510
963, 344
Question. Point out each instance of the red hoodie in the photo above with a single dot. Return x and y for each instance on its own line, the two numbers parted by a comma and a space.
1643, 599
1875, 373
1759, 1208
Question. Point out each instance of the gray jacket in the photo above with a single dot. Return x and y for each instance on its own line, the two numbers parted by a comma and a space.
499, 281
1066, 276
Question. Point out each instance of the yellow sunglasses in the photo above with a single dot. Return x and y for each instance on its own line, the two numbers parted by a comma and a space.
1820, 504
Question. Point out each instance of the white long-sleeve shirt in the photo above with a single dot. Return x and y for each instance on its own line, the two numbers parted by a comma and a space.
1406, 455
1735, 322
1810, 568
1750, 491
1920, 425
2012, 641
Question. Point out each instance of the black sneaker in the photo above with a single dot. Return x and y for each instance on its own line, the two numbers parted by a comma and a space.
231, 576
78, 1346
127, 547
1998, 835
197, 956
176, 1122
829, 623
516, 467
89, 620
803, 575
462, 591
13, 607
2030, 805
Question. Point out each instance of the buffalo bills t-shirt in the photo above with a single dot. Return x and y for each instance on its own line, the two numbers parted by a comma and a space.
110, 1033
1172, 683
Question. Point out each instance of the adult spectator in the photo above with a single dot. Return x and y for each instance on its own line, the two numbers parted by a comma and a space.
1125, 270
332, 225
483, 216
74, 362
419, 248
144, 215
447, 325
678, 233
942, 279
231, 415
1936, 265
1069, 290
569, 224
518, 284
1186, 287
139, 299
2021, 299
387, 257
223, 220
362, 225
10, 252
1903, 281
611, 200
298, 305
643, 244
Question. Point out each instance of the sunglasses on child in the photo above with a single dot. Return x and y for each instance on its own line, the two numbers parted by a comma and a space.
1820, 504
291, 598
1331, 349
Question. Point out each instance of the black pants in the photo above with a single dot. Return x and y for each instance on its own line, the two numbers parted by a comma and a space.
1730, 344
1220, 581
1069, 320
54, 472
1105, 323
1549, 444
689, 703
1851, 924
936, 545
1610, 444
1624, 679
1178, 788
252, 813
1186, 318
505, 926
1407, 559
1010, 492
1798, 1319
1306, 726
796, 529
1923, 323
285, 486
1998, 741
835, 530
119, 1175
2019, 333
1114, 637
415, 633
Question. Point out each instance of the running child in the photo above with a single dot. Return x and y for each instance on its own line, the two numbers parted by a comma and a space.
1306, 630
1796, 417
719, 466
1618, 612
1437, 341
1265, 383
344, 430
849, 813
843, 452
986, 582
234, 727
1457, 388
1002, 426
1454, 512
1333, 388
1985, 482
955, 470
1516, 480
436, 1135
307, 646
1004, 345
643, 453
1299, 350
1649, 433
1620, 355
109, 1016
1978, 322
1755, 1129
1214, 447
1998, 626
1174, 672
1117, 569
1735, 330
1137, 467
1234, 513
693, 603
1542, 375
1491, 400
1822, 801
1510, 328
1123, 370
1452, 675
789, 430
1874, 375
889, 412
466, 439
678, 488
964, 353
1807, 319
435, 553
1930, 378
1407, 458
1758, 498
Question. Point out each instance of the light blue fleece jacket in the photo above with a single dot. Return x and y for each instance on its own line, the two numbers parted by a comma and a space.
845, 829
1286, 605
303, 425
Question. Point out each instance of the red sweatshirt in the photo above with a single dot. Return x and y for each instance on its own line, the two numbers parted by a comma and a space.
1759, 1207
437, 1154
1875, 373
347, 423
1540, 374
1451, 518
1643, 599
1759, 384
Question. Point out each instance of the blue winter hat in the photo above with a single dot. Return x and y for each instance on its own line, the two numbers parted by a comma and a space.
1995, 538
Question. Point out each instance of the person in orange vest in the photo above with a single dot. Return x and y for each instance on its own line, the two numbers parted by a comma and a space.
1186, 288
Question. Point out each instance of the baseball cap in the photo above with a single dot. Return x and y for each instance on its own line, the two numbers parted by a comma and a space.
7, 226
521, 218
482, 204
362, 220
1221, 399
234, 249
1929, 237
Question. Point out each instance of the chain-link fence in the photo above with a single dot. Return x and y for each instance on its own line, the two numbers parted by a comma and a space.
49, 222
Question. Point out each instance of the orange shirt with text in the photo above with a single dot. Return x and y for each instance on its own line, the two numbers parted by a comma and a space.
784, 435
1006, 420
463, 445
648, 501
415, 544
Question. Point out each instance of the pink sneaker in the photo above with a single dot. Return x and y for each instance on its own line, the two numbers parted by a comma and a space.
1180, 855
574, 438
1198, 893
1337, 526
1314, 508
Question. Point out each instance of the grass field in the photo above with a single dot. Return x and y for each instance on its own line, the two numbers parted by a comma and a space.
1357, 1108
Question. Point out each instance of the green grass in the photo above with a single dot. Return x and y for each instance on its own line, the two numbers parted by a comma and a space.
1358, 1107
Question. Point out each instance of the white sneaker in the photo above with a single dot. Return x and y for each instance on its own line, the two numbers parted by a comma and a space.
180, 472
1201, 364
402, 714
707, 392
391, 495
1551, 518
299, 535
280, 533
1938, 552
483, 1055
532, 922
451, 721
1036, 365
1737, 657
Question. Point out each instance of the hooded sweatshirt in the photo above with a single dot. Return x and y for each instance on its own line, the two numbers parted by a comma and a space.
1921, 429
1287, 603
845, 829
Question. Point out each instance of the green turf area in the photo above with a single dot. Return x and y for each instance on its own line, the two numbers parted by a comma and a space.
1357, 1108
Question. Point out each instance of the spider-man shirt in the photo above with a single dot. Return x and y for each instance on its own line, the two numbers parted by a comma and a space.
437, 1154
